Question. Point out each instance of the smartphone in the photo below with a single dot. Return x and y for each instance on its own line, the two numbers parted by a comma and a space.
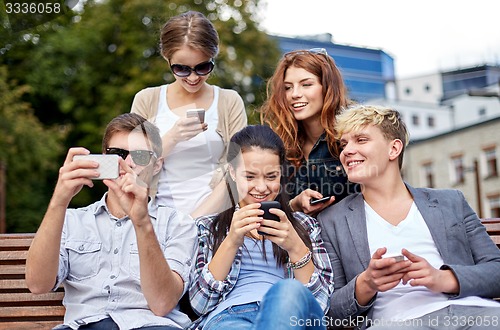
267, 215
315, 201
108, 165
398, 258
200, 113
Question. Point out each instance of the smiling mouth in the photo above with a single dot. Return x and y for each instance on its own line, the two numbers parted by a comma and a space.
299, 105
259, 196
354, 163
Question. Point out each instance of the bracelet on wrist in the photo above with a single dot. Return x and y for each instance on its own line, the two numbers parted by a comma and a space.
302, 262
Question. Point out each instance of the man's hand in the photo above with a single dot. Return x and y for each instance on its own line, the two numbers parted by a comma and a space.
131, 193
421, 273
73, 175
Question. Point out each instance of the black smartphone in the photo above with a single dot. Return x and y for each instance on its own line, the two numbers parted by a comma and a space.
315, 201
265, 206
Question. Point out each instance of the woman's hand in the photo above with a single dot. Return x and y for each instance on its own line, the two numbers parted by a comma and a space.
283, 234
186, 128
302, 202
244, 221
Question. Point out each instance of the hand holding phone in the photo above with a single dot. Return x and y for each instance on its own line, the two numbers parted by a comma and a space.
315, 201
200, 113
108, 165
398, 257
265, 206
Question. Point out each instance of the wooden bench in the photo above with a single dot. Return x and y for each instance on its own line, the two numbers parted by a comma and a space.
22, 310
493, 228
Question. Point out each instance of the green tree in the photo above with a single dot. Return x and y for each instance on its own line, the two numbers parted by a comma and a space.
85, 67
29, 152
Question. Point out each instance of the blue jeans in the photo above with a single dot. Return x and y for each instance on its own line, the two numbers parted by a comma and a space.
287, 305
109, 324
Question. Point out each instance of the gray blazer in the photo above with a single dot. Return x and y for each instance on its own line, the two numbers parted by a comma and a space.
460, 238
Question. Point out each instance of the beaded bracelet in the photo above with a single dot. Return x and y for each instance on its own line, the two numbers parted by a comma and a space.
302, 262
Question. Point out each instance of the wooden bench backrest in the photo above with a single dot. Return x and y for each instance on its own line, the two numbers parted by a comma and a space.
20, 309
493, 228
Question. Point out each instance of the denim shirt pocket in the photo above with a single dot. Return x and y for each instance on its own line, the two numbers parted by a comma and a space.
83, 259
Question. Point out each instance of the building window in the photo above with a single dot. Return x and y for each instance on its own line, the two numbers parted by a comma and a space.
491, 162
431, 121
415, 120
494, 203
457, 173
428, 175
408, 91
481, 112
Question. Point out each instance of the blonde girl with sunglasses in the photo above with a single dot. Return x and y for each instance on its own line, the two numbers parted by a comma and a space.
194, 148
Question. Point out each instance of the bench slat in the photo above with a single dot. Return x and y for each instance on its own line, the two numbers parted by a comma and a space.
19, 256
33, 311
38, 325
27, 297
12, 270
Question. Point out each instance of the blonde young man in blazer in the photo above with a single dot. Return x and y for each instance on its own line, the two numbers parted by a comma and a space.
450, 268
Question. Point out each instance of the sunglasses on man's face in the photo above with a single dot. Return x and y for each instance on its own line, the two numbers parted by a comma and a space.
201, 69
140, 157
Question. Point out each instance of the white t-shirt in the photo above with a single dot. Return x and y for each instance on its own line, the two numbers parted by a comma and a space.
188, 169
404, 301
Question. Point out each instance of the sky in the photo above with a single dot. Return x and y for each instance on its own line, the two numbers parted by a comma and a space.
423, 36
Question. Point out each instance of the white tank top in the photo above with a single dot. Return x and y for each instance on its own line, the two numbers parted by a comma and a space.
188, 169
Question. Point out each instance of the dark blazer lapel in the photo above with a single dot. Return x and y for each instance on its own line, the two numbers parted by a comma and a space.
356, 221
433, 217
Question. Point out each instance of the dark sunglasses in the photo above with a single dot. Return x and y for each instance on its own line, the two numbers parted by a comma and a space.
201, 69
140, 157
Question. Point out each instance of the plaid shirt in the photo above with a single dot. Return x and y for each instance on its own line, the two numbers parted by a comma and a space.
205, 292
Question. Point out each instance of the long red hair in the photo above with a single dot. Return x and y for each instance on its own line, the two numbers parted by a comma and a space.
277, 113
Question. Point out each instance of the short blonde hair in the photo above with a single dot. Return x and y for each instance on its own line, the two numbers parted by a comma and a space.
388, 120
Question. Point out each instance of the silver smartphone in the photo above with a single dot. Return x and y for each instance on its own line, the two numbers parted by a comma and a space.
398, 258
108, 165
200, 113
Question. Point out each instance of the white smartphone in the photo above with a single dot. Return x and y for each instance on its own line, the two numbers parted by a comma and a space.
108, 165
200, 113
398, 257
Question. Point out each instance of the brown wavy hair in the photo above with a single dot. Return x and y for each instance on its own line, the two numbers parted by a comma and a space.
191, 28
277, 113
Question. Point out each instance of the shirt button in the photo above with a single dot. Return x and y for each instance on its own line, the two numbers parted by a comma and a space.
80, 248
118, 224
112, 277
115, 251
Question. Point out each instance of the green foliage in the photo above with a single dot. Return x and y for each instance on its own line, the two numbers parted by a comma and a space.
29, 153
85, 67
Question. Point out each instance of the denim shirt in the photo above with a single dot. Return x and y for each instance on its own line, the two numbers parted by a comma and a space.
99, 265
322, 172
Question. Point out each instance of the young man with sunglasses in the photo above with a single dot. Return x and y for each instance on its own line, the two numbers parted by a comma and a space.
124, 261
194, 150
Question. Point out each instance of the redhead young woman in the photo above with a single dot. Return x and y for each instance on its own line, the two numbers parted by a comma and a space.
305, 94
194, 148
252, 272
